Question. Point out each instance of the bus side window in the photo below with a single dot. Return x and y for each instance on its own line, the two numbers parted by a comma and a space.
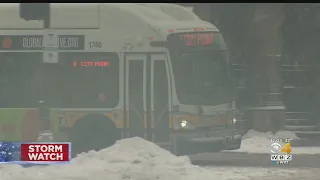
89, 84
18, 86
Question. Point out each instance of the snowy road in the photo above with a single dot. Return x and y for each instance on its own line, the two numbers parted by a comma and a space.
269, 173
128, 171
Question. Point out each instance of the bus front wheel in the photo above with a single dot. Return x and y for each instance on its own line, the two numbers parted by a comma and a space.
93, 132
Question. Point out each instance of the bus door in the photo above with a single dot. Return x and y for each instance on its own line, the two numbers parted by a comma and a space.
136, 120
160, 99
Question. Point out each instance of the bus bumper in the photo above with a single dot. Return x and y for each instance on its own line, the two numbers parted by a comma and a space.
213, 141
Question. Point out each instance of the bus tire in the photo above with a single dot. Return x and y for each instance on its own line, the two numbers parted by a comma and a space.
178, 148
93, 132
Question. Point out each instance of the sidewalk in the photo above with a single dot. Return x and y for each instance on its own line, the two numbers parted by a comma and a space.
257, 142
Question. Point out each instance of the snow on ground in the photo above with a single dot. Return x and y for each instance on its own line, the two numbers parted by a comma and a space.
272, 173
280, 134
131, 159
257, 142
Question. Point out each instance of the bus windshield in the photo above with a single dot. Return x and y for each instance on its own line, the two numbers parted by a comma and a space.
202, 78
201, 68
79, 80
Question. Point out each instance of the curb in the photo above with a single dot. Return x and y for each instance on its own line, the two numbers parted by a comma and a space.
254, 160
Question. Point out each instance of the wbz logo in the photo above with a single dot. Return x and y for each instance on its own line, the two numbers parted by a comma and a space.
281, 159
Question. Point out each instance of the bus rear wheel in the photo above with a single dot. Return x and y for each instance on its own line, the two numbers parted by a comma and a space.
93, 132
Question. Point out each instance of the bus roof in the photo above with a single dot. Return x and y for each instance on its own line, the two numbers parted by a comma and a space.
114, 25
150, 13
177, 12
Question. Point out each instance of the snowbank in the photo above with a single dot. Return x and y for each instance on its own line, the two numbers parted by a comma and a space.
257, 142
128, 159
132, 159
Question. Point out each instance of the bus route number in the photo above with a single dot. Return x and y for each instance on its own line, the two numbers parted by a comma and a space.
95, 44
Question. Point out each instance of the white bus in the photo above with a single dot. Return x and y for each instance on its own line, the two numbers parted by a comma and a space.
124, 70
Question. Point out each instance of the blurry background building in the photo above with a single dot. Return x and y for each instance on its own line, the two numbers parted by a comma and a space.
274, 50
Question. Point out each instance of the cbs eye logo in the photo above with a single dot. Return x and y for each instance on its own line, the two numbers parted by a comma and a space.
275, 148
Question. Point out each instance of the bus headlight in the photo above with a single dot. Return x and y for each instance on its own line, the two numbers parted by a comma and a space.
234, 120
183, 124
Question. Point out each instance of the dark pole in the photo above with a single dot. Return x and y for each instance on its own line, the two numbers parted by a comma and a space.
40, 11
44, 110
46, 21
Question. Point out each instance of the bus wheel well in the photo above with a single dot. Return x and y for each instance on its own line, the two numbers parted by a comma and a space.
93, 132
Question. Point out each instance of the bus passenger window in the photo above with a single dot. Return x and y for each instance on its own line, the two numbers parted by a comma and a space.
24, 80
87, 86
19, 79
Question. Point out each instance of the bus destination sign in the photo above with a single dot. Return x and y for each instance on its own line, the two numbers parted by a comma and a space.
195, 39
35, 42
